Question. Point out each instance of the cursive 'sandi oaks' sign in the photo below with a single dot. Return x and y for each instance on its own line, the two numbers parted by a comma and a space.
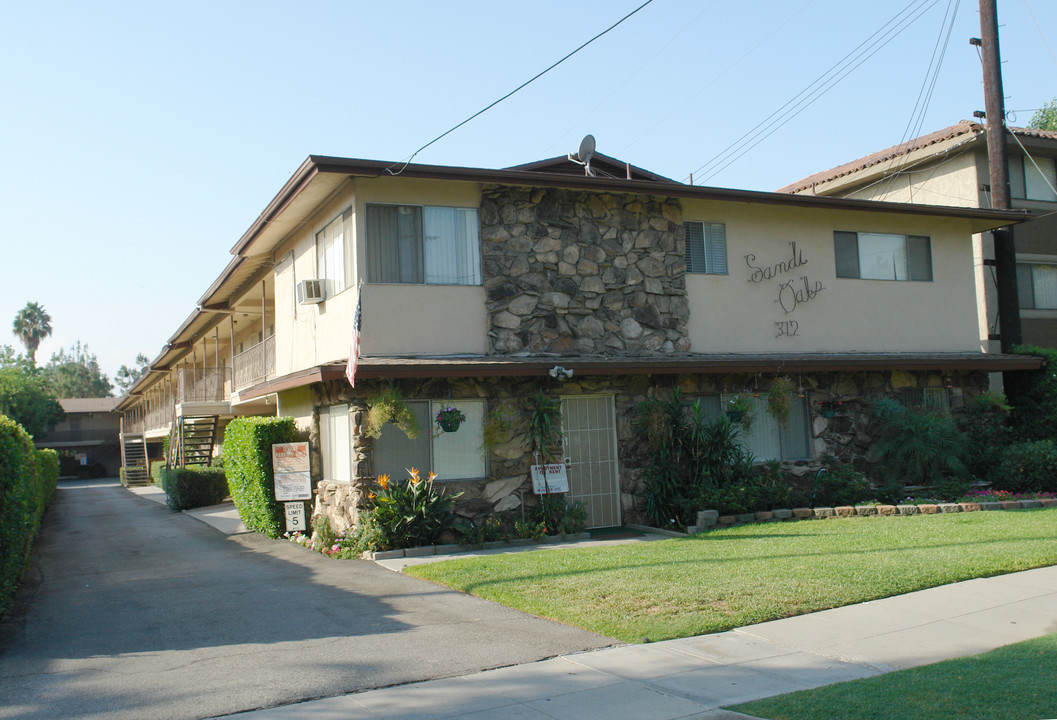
793, 288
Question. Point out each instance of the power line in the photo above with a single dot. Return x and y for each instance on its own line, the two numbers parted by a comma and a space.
917, 115
885, 34
519, 87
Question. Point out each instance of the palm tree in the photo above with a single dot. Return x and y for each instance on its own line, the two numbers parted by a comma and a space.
32, 324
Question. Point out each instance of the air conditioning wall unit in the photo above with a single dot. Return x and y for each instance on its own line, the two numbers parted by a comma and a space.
311, 291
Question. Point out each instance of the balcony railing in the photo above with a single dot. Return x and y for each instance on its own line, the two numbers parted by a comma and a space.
256, 364
201, 385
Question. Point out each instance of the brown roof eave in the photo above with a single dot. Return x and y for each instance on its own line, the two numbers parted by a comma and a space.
402, 368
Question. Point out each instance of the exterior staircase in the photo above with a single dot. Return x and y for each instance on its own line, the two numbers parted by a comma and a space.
134, 460
195, 441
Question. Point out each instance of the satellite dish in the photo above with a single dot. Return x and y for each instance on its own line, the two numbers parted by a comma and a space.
587, 149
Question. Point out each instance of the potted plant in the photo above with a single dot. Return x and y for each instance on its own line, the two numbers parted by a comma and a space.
385, 407
780, 399
739, 409
450, 418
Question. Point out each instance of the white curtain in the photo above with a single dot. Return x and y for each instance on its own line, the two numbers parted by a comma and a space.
459, 455
1045, 281
452, 246
882, 257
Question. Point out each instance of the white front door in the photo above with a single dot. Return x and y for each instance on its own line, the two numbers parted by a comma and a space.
590, 447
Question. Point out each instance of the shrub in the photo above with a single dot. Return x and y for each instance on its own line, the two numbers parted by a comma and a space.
984, 421
27, 483
413, 512
1027, 467
1033, 395
248, 467
692, 461
193, 486
488, 530
558, 516
921, 447
157, 472
838, 483
47, 462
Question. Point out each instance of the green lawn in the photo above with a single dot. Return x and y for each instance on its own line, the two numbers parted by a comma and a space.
1012, 682
740, 576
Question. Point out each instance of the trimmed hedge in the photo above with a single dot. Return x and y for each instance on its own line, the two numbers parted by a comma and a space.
193, 486
248, 466
28, 478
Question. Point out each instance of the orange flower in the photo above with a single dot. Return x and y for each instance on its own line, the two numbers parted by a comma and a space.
372, 496
383, 480
413, 472
432, 476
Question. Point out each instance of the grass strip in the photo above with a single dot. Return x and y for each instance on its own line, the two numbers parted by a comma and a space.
744, 575
1011, 683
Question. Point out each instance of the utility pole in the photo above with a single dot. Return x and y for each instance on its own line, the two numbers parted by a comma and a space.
994, 105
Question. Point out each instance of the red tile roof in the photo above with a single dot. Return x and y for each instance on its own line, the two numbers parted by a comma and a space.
965, 127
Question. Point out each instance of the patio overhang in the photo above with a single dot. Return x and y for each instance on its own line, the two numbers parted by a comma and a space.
370, 368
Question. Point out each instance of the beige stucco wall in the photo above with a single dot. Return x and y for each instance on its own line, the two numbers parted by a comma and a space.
397, 319
297, 403
732, 313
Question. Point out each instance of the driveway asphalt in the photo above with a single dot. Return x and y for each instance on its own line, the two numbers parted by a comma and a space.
132, 611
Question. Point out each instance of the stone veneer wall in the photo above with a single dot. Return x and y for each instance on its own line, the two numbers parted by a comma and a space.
845, 436
583, 273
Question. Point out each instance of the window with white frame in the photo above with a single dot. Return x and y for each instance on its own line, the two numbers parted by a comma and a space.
1037, 286
418, 244
706, 248
452, 455
882, 256
332, 260
335, 443
1032, 178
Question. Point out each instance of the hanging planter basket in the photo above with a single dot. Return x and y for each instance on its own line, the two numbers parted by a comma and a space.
450, 419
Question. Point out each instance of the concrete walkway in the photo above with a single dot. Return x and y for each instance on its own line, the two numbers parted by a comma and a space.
694, 677
224, 517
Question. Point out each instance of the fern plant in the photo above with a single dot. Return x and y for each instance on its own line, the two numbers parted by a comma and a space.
918, 447
388, 406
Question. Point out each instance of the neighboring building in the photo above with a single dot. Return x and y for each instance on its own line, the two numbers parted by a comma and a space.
480, 287
87, 438
950, 167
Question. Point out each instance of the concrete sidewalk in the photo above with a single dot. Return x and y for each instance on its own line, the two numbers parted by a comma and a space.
692, 678
224, 517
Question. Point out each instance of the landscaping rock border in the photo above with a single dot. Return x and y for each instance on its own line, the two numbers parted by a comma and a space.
709, 519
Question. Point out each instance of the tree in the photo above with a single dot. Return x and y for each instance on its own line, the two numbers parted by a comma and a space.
127, 376
1045, 118
75, 374
32, 324
10, 359
24, 399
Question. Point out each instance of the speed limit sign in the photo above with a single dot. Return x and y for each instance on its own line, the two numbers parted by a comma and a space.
295, 516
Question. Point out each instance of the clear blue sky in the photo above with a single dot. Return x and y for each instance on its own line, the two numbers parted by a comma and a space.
140, 140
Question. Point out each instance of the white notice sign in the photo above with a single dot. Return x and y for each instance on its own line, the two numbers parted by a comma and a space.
295, 516
293, 486
550, 479
290, 467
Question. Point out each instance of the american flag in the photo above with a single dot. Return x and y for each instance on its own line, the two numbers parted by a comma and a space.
354, 350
